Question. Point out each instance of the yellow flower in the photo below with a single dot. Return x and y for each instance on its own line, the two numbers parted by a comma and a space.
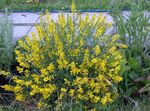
47, 92
44, 71
123, 46
61, 21
18, 81
100, 77
96, 99
17, 52
71, 24
102, 65
27, 71
80, 90
4, 73
46, 79
73, 7
74, 69
90, 94
71, 92
81, 42
63, 90
20, 42
19, 97
84, 71
22, 64
99, 32
51, 67
17, 88
7, 87
112, 49
94, 61
37, 79
114, 38
65, 63
67, 81
93, 109
77, 80
40, 104
80, 96
104, 100
117, 79
32, 93
19, 69
28, 83
68, 39
97, 50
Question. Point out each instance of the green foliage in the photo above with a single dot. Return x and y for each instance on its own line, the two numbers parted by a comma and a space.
6, 45
133, 105
134, 31
37, 5
129, 4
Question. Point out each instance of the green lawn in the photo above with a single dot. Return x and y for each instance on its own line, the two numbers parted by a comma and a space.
65, 4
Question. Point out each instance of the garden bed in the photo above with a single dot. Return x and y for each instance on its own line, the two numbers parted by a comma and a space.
87, 61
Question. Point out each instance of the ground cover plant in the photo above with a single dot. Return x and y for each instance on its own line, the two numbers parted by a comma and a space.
40, 5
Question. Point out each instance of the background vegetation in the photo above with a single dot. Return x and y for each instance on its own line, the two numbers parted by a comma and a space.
38, 5
134, 31
5, 42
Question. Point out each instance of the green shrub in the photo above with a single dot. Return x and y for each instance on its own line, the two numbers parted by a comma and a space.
6, 43
67, 62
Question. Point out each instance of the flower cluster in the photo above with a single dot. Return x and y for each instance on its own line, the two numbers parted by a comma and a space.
71, 60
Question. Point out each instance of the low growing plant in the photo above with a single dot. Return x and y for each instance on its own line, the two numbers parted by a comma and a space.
68, 61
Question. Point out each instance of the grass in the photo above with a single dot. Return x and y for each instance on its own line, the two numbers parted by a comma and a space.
65, 4
131, 105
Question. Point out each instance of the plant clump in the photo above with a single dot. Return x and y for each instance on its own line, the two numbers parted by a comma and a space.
70, 60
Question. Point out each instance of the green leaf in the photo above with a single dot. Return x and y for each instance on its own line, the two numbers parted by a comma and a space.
131, 90
134, 63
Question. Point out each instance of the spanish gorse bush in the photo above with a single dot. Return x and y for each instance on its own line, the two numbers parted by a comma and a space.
71, 60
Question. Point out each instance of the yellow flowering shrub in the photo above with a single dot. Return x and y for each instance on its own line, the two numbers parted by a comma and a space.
68, 60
